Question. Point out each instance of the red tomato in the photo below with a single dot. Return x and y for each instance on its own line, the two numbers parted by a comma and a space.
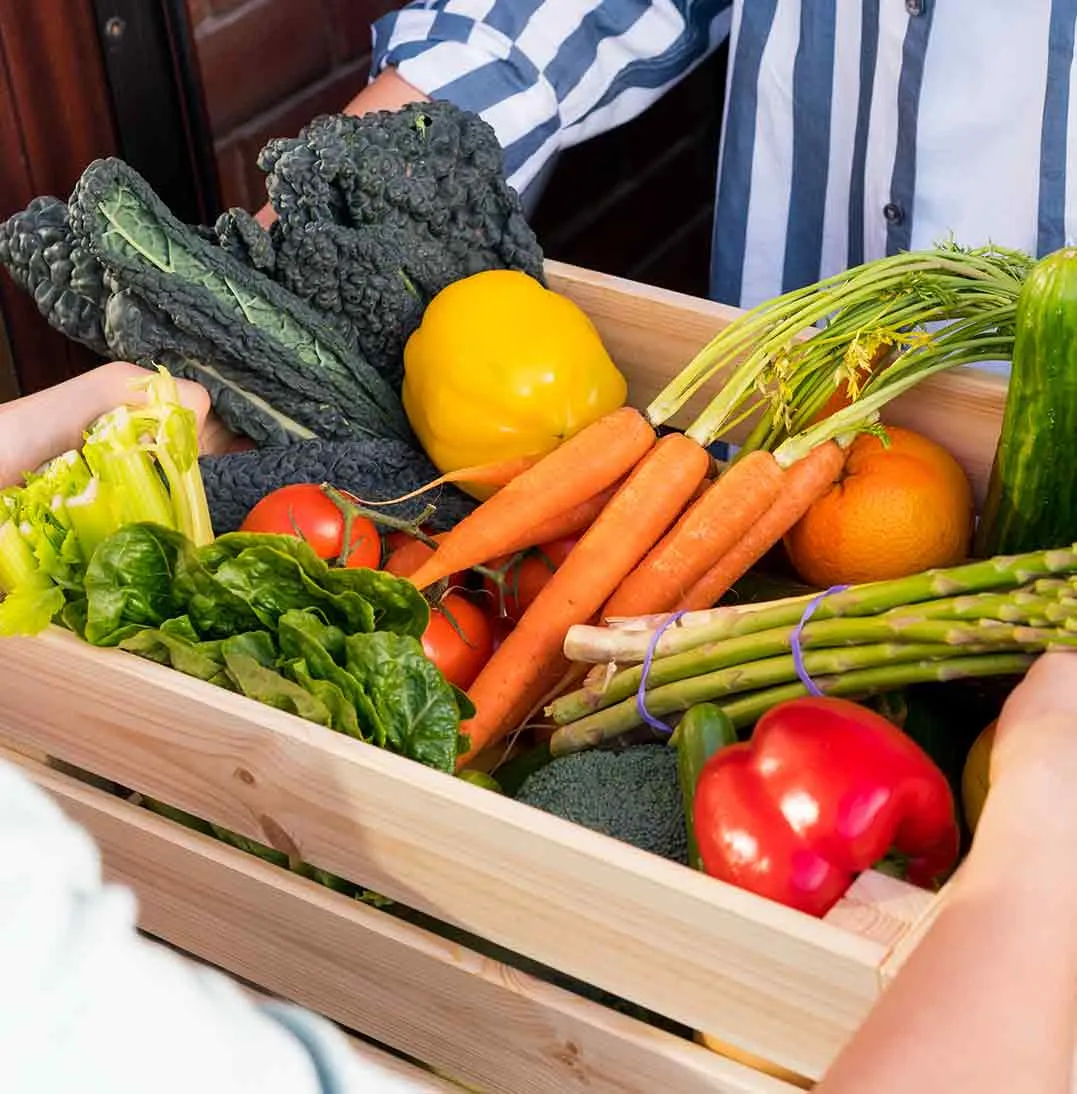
406, 558
526, 577
395, 540
303, 510
410, 555
459, 646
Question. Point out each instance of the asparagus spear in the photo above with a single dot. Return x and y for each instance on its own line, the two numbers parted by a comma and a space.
747, 649
854, 673
602, 644
860, 685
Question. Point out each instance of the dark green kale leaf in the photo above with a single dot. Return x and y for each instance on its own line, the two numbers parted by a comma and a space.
214, 297
245, 239
429, 165
40, 251
414, 702
374, 469
369, 278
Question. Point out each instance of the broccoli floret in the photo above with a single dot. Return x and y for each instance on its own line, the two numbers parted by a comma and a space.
67, 283
632, 795
374, 469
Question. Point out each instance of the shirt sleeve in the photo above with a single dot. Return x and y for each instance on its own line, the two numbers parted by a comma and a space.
88, 1004
548, 73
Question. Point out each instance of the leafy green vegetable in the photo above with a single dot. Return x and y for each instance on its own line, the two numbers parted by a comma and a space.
210, 295
414, 702
303, 637
268, 686
191, 657
129, 583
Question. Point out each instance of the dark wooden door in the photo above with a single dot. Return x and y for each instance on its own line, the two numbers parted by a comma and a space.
55, 116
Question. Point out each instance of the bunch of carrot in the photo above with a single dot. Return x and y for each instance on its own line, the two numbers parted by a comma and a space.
659, 543
662, 537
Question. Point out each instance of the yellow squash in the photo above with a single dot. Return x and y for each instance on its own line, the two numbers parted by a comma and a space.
976, 777
501, 368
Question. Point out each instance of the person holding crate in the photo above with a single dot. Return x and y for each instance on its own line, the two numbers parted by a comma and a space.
852, 130
987, 1001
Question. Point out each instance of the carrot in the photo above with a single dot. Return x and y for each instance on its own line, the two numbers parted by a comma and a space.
589, 461
710, 527
485, 474
569, 523
526, 664
806, 481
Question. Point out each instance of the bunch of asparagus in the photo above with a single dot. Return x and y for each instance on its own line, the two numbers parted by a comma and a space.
984, 618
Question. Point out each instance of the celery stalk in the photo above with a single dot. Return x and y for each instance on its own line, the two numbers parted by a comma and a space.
115, 453
93, 515
18, 566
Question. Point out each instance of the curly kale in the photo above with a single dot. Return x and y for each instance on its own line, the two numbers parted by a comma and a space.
430, 166
244, 238
208, 294
632, 795
372, 469
43, 257
374, 280
428, 179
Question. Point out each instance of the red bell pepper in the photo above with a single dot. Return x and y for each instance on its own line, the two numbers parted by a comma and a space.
821, 792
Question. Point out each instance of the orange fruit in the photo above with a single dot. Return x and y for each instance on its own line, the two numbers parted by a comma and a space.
895, 511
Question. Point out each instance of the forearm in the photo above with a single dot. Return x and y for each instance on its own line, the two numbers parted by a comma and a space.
548, 77
988, 1000
387, 91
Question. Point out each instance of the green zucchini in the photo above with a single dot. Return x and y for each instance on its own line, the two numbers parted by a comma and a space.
704, 729
1032, 497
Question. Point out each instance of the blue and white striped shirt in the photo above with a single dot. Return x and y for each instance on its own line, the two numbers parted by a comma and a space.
894, 126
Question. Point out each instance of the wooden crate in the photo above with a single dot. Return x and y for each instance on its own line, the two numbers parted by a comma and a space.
772, 982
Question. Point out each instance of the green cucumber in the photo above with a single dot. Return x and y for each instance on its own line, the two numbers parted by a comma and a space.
1032, 497
704, 729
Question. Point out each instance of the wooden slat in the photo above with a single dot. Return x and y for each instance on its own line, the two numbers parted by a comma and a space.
753, 973
472, 1019
652, 334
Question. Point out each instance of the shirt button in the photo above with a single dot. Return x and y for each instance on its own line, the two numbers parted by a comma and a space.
914, 7
893, 212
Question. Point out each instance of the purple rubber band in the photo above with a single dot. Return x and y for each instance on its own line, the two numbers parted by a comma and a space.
641, 691
794, 638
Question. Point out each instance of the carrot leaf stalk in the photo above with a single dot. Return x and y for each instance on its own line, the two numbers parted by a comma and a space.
852, 318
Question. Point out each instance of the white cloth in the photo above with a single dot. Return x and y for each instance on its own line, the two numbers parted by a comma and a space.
89, 1006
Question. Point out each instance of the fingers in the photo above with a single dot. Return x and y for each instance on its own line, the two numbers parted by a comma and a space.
37, 427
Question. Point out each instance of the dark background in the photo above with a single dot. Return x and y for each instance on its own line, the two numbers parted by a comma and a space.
189, 90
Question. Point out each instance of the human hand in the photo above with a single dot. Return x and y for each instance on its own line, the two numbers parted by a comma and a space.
1035, 746
39, 426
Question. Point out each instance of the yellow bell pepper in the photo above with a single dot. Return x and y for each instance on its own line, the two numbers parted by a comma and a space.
502, 368
976, 777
